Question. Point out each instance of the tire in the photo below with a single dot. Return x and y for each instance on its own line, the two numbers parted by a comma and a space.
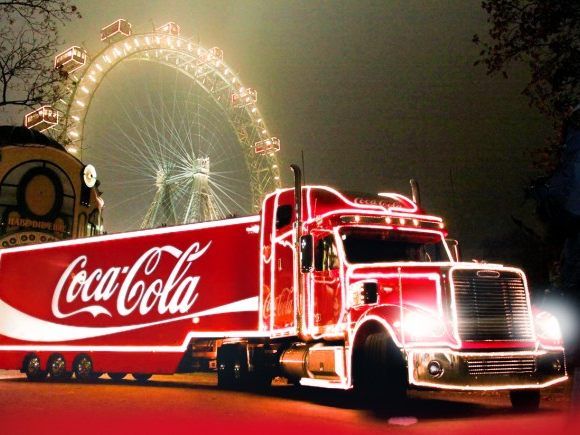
380, 371
56, 368
260, 379
525, 400
33, 368
83, 368
117, 376
141, 377
232, 367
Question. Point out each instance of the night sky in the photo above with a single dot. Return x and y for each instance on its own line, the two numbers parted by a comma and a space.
374, 93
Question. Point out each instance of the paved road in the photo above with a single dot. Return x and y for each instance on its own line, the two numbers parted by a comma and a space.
193, 404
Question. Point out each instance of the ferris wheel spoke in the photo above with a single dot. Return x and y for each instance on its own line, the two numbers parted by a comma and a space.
226, 193
222, 209
128, 183
221, 175
133, 197
135, 149
230, 195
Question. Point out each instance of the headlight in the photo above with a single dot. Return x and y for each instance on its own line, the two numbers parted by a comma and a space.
422, 325
547, 327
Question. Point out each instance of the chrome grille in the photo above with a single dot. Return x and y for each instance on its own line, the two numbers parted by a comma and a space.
501, 365
491, 305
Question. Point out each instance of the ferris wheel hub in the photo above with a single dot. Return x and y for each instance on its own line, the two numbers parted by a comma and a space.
201, 167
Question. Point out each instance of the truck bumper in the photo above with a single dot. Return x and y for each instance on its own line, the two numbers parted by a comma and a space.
446, 369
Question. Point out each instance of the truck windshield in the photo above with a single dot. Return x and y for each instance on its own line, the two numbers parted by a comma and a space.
370, 245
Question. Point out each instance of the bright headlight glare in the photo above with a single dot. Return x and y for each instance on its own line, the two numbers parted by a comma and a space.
422, 325
547, 326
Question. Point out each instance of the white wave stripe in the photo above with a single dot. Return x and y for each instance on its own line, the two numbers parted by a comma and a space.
21, 326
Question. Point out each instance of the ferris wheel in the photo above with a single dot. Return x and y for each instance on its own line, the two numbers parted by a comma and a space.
175, 135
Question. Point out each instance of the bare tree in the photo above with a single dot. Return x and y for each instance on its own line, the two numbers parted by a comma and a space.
545, 36
29, 36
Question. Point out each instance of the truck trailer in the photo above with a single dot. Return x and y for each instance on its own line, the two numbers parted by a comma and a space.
325, 288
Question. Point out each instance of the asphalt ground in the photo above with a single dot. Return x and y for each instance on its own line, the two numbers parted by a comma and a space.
193, 404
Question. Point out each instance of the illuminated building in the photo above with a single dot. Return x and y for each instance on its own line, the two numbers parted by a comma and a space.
46, 193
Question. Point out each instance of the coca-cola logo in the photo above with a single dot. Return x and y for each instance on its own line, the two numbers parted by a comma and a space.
128, 286
283, 302
380, 202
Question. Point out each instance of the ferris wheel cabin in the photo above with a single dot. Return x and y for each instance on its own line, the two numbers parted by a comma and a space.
214, 54
41, 119
170, 28
71, 59
270, 145
116, 31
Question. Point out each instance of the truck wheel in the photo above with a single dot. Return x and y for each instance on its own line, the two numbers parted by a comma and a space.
141, 377
380, 372
117, 376
33, 368
57, 368
232, 367
83, 368
525, 400
260, 379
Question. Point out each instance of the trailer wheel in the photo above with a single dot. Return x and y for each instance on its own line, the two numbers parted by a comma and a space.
260, 379
141, 377
232, 367
380, 372
83, 368
57, 367
117, 376
525, 400
33, 368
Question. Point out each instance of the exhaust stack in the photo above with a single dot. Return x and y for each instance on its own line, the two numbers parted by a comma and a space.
297, 198
415, 193
299, 278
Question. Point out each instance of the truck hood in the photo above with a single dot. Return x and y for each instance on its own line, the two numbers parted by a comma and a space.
478, 302
358, 271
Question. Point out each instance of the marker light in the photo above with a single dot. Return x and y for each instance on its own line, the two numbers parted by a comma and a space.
547, 327
422, 325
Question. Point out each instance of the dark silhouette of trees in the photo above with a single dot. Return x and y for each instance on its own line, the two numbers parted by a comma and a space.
29, 36
544, 35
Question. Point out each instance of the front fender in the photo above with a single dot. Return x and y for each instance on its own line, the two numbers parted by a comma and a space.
410, 327
385, 315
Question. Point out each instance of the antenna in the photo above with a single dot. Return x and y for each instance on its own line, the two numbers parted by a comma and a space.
303, 166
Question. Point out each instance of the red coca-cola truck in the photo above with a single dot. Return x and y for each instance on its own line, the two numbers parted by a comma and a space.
326, 289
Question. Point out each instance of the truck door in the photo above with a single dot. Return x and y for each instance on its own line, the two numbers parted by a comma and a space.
283, 281
326, 301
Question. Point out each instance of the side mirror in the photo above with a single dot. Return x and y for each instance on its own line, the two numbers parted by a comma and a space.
306, 253
454, 247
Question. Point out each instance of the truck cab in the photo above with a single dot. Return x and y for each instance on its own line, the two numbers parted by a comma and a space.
366, 291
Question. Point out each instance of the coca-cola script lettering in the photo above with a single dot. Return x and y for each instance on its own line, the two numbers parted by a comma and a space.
381, 202
173, 294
